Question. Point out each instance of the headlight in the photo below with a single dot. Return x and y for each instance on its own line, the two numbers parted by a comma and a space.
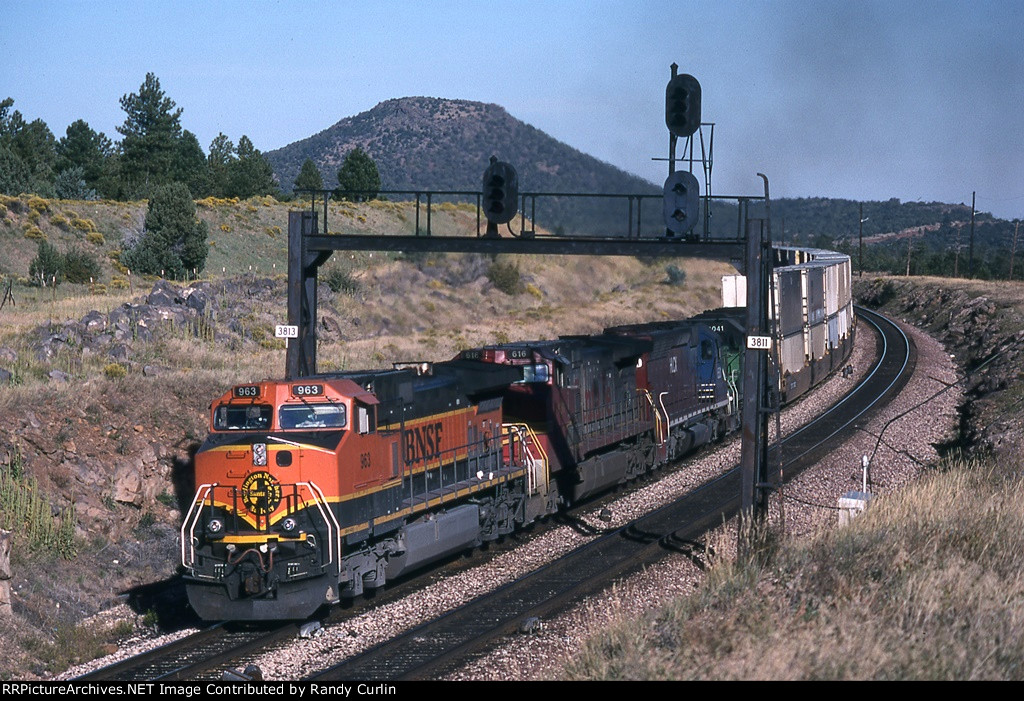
289, 524
259, 454
215, 527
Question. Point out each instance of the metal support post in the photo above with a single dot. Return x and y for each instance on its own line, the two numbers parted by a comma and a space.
754, 448
755, 376
300, 358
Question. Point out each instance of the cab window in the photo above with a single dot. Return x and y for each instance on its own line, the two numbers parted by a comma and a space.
312, 416
248, 417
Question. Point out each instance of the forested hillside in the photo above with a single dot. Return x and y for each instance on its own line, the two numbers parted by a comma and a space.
424, 143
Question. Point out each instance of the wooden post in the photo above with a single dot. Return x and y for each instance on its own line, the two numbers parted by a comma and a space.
5, 574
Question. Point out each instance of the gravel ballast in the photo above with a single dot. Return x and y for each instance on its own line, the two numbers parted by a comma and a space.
810, 504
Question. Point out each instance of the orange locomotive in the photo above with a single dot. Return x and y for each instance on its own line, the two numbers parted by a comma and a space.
311, 490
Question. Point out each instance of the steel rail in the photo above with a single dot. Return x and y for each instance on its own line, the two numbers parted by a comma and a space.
442, 643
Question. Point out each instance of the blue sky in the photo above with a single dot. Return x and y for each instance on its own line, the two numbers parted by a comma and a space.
864, 100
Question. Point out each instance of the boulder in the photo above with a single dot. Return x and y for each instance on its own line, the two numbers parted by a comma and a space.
59, 376
128, 482
164, 295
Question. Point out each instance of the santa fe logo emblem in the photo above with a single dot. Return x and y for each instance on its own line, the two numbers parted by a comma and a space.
261, 493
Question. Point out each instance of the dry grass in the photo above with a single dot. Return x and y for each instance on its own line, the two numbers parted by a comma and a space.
37, 306
928, 585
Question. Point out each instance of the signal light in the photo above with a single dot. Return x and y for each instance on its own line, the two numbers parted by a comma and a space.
681, 202
501, 192
682, 105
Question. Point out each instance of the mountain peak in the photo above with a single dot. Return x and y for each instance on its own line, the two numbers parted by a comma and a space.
435, 143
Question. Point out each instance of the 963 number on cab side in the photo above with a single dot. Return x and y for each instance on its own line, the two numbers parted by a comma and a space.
308, 390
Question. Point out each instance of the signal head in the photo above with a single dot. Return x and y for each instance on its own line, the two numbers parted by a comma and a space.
501, 192
681, 202
682, 105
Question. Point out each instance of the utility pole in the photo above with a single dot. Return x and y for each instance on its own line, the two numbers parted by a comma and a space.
860, 235
910, 241
970, 266
956, 255
1013, 249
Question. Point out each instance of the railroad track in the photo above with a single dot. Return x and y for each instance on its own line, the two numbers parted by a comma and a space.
192, 656
207, 653
440, 645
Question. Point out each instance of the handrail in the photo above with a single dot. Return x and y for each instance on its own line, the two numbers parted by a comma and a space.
320, 500
191, 520
657, 417
188, 562
520, 429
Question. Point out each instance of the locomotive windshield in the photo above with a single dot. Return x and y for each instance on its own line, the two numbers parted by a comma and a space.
313, 416
247, 417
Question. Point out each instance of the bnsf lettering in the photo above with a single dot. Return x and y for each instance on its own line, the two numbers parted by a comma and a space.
423, 442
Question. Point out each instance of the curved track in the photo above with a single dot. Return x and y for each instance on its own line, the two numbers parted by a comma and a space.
439, 645
191, 656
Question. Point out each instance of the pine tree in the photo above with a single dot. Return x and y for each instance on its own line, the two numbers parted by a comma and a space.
250, 174
47, 267
151, 131
190, 165
309, 177
220, 158
30, 153
174, 240
81, 147
359, 175
14, 174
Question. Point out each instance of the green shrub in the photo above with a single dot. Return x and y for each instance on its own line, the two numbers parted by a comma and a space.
340, 280
80, 266
25, 510
676, 275
48, 265
505, 277
115, 371
85, 225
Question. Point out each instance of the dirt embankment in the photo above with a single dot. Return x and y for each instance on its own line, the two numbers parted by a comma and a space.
982, 325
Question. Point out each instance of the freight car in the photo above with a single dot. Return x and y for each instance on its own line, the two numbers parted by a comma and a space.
313, 490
